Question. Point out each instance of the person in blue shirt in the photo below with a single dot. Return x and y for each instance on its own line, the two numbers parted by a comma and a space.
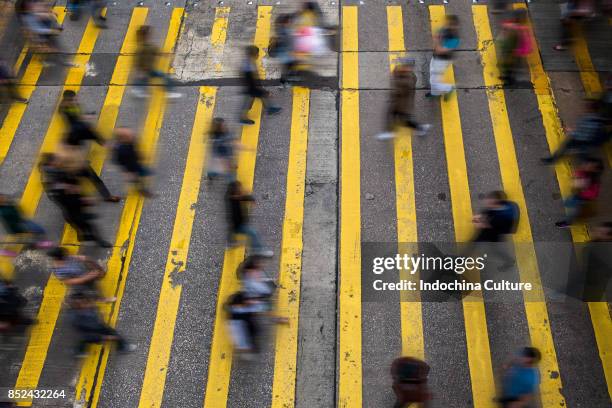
521, 379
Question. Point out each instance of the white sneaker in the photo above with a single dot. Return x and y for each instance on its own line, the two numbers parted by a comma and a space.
139, 93
173, 95
266, 253
385, 136
423, 129
129, 348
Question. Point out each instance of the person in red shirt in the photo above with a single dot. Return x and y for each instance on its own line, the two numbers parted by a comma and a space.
587, 183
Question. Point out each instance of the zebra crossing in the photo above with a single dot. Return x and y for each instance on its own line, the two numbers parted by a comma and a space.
157, 241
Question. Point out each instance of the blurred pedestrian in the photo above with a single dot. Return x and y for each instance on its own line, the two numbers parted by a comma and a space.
242, 321
77, 167
521, 380
446, 41
222, 161
493, 223
43, 30
12, 304
78, 272
410, 382
590, 134
499, 6
572, 14
238, 214
282, 48
514, 45
24, 230
92, 329
94, 7
401, 106
8, 86
125, 155
258, 286
147, 55
64, 189
79, 129
253, 88
587, 185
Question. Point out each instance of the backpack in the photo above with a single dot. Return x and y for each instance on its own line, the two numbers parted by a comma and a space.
509, 218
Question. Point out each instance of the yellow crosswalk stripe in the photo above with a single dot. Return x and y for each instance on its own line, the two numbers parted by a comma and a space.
262, 36
349, 347
54, 292
535, 302
152, 391
218, 40
600, 313
476, 334
552, 125
94, 367
28, 81
285, 363
410, 308
221, 351
588, 74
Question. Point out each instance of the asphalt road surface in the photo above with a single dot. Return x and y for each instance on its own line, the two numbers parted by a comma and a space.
323, 186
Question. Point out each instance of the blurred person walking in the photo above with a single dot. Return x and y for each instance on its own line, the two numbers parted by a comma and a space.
493, 223
93, 7
146, 58
222, 160
258, 286
79, 129
587, 185
514, 45
43, 30
242, 321
78, 272
238, 218
92, 329
282, 48
573, 12
12, 304
590, 134
8, 86
401, 105
126, 156
25, 230
409, 377
521, 380
445, 41
253, 88
64, 189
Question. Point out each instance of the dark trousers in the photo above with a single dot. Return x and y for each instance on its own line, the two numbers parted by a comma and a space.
97, 336
395, 118
89, 174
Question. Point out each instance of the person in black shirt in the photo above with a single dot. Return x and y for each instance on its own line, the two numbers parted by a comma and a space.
253, 87
79, 130
498, 218
64, 189
127, 157
238, 214
89, 324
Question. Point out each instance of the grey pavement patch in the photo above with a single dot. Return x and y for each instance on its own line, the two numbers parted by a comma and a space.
317, 324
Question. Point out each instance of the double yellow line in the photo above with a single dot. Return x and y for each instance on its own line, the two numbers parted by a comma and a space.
535, 302
599, 311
